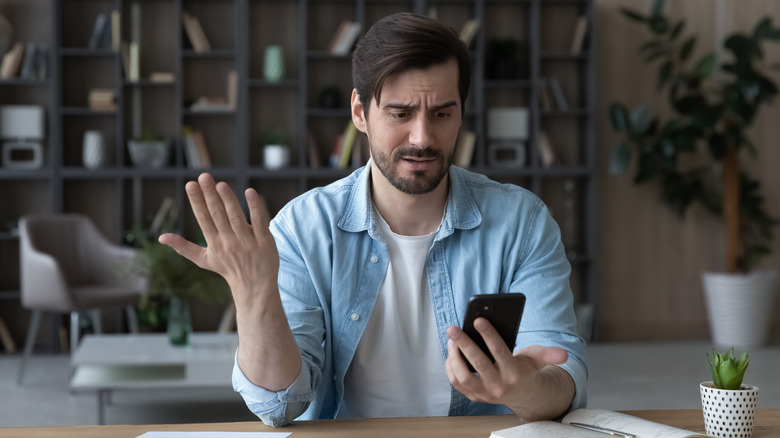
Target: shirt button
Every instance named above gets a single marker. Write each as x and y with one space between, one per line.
374 259
355 316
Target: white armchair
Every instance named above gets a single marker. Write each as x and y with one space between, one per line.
67 266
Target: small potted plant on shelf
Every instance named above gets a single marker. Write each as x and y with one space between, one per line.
728 405
503 59
151 150
173 282
276 151
714 101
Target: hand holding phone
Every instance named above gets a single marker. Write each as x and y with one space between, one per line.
504 311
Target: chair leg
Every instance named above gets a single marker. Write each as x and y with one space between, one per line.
97 321
132 319
29 342
74 331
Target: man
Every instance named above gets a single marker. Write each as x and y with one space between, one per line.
349 301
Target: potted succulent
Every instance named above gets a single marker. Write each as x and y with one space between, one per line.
276 151
728 405
712 104
150 150
173 282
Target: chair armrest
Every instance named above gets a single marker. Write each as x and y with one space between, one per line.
43 283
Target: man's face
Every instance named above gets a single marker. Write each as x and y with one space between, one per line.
412 131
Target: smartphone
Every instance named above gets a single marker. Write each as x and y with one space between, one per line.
504 311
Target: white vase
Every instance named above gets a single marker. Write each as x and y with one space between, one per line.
273 66
740 307
276 156
93 152
728 412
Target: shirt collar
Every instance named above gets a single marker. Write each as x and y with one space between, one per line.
461 213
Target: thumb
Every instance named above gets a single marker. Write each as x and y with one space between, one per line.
184 247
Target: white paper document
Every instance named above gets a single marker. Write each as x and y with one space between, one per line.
215 434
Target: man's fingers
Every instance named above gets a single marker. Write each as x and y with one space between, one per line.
470 349
214 203
201 211
493 340
185 248
233 210
258 211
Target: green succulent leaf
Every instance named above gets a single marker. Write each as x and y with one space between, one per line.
639 119
763 28
664 73
728 371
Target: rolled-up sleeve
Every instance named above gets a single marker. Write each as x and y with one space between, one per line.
278 408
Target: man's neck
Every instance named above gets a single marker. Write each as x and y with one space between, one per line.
409 215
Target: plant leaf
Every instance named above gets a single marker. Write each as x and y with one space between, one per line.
619 158
633 15
706 65
639 119
664 73
618 115
763 28
677 30
687 48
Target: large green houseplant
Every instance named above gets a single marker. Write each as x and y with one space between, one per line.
712 103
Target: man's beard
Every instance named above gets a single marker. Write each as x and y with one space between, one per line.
418 184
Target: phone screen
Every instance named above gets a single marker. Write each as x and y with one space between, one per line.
504 311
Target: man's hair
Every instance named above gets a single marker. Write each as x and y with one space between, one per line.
402 42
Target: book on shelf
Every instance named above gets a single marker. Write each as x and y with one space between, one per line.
12 61
545 100
464 148
469 31
124 52
41 62
560 98
194 30
548 155
314 154
211 103
98 31
162 76
163 212
134 59
202 150
30 61
102 99
595 423
578 37
232 89
344 38
116 32
190 148
341 153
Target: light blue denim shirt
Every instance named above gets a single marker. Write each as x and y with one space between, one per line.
494 238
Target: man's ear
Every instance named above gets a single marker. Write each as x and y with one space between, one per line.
358 115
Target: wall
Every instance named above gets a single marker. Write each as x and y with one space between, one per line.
649 260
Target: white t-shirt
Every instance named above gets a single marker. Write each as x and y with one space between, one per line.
398 368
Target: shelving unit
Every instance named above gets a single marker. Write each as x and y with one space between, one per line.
119 194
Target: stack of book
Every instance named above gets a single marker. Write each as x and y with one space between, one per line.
102 99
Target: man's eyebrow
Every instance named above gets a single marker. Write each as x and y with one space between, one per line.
438 107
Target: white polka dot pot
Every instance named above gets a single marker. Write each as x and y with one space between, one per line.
728 413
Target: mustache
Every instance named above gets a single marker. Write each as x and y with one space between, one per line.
416 153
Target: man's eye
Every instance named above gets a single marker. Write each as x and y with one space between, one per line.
399 115
442 115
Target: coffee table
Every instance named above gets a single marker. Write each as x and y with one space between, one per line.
105 363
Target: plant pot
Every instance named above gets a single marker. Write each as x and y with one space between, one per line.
152 154
739 307
728 413
179 322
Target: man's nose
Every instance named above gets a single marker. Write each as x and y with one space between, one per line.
420 134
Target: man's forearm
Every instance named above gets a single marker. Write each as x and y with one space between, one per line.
267 352
553 393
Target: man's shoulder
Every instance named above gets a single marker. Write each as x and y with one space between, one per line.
485 190
329 199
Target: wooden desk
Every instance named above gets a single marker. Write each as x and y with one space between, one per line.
767 425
